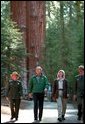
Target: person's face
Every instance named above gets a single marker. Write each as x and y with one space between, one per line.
38 71
14 77
81 71
60 74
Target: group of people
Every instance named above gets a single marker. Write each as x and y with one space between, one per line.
38 86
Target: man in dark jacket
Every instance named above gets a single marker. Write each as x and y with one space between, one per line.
13 94
38 85
79 92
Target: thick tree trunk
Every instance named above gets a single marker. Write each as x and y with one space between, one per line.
30 17
35 33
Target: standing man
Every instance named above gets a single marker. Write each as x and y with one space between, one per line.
79 92
13 94
37 87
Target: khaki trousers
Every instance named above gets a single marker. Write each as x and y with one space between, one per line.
61 104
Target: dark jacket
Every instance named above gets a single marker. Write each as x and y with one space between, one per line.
55 89
79 86
14 89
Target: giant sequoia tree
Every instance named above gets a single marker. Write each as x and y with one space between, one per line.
30 17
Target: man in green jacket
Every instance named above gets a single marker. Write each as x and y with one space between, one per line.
38 85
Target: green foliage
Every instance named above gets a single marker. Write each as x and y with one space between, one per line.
64 50
12 45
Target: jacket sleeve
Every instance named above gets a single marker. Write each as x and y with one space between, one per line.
7 89
67 88
21 89
30 85
46 83
54 89
75 87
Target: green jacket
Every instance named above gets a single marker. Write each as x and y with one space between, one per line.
38 85
14 89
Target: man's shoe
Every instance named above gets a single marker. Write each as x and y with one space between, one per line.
79 118
60 119
63 118
40 119
11 118
16 119
36 121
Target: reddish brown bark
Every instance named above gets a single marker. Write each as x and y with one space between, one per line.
30 17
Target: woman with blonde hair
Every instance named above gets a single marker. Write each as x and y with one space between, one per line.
59 92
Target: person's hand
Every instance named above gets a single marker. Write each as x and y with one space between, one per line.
30 95
54 98
45 90
21 97
68 95
74 97
7 98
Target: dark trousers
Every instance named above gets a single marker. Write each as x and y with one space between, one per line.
81 108
14 106
38 105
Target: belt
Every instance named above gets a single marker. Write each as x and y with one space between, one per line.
60 89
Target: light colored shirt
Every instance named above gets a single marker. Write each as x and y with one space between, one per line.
60 86
38 78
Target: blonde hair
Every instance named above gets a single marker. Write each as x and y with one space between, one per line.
62 72
81 67
39 67
15 73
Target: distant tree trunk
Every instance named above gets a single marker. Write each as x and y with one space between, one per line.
80 25
48 7
62 20
78 11
70 13
62 35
